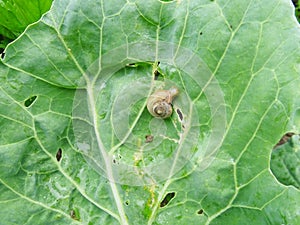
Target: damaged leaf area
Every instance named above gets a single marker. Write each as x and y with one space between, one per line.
79 146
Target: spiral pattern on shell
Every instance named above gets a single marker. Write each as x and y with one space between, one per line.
159 104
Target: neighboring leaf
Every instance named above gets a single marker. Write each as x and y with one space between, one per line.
297 9
285 162
16 15
73 93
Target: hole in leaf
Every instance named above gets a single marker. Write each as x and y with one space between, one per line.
29 101
127 202
179 113
102 116
156 74
115 159
200 212
58 155
284 139
167 199
201 33
131 65
74 214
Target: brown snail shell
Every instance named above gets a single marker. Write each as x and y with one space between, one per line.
159 104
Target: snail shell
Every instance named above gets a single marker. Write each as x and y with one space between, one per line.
159 104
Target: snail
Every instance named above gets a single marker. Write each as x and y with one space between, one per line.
159 104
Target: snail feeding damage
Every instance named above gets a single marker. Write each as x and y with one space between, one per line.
179 113
58 155
159 104
109 115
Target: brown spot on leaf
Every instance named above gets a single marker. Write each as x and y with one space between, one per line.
149 138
